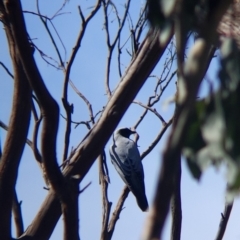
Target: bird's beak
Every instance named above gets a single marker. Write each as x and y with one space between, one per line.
136 137
132 130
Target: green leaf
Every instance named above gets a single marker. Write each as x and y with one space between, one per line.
214 125
194 168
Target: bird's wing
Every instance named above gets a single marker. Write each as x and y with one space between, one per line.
126 159
134 158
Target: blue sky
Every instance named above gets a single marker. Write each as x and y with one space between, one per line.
202 202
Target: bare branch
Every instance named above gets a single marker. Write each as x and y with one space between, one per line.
159 89
69 110
67 106
6 69
78 44
117 211
121 23
224 220
157 139
5 127
89 105
16 136
176 203
111 46
153 110
89 121
86 123
49 60
141 23
50 35
36 152
70 211
82 190
106 205
17 213
48 105
139 28
58 12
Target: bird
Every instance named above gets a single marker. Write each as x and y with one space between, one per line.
126 159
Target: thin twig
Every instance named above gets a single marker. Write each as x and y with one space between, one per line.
78 43
111 46
224 220
117 211
44 21
153 110
83 189
155 98
36 152
87 123
176 203
141 23
157 139
89 105
106 205
58 12
6 69
17 213
45 57
68 107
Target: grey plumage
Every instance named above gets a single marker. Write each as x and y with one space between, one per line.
126 160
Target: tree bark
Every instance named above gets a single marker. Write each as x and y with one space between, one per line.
15 140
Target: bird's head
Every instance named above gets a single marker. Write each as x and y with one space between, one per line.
125 132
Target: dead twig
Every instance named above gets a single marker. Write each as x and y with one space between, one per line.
224 220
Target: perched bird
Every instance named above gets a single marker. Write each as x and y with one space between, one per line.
126 159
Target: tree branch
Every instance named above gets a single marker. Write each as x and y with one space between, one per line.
112 45
153 110
176 205
16 135
89 105
152 100
6 128
117 211
68 107
106 205
49 107
70 211
224 220
17 213
6 69
44 21
37 120
157 139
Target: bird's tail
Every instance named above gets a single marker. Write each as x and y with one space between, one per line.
142 202
138 190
